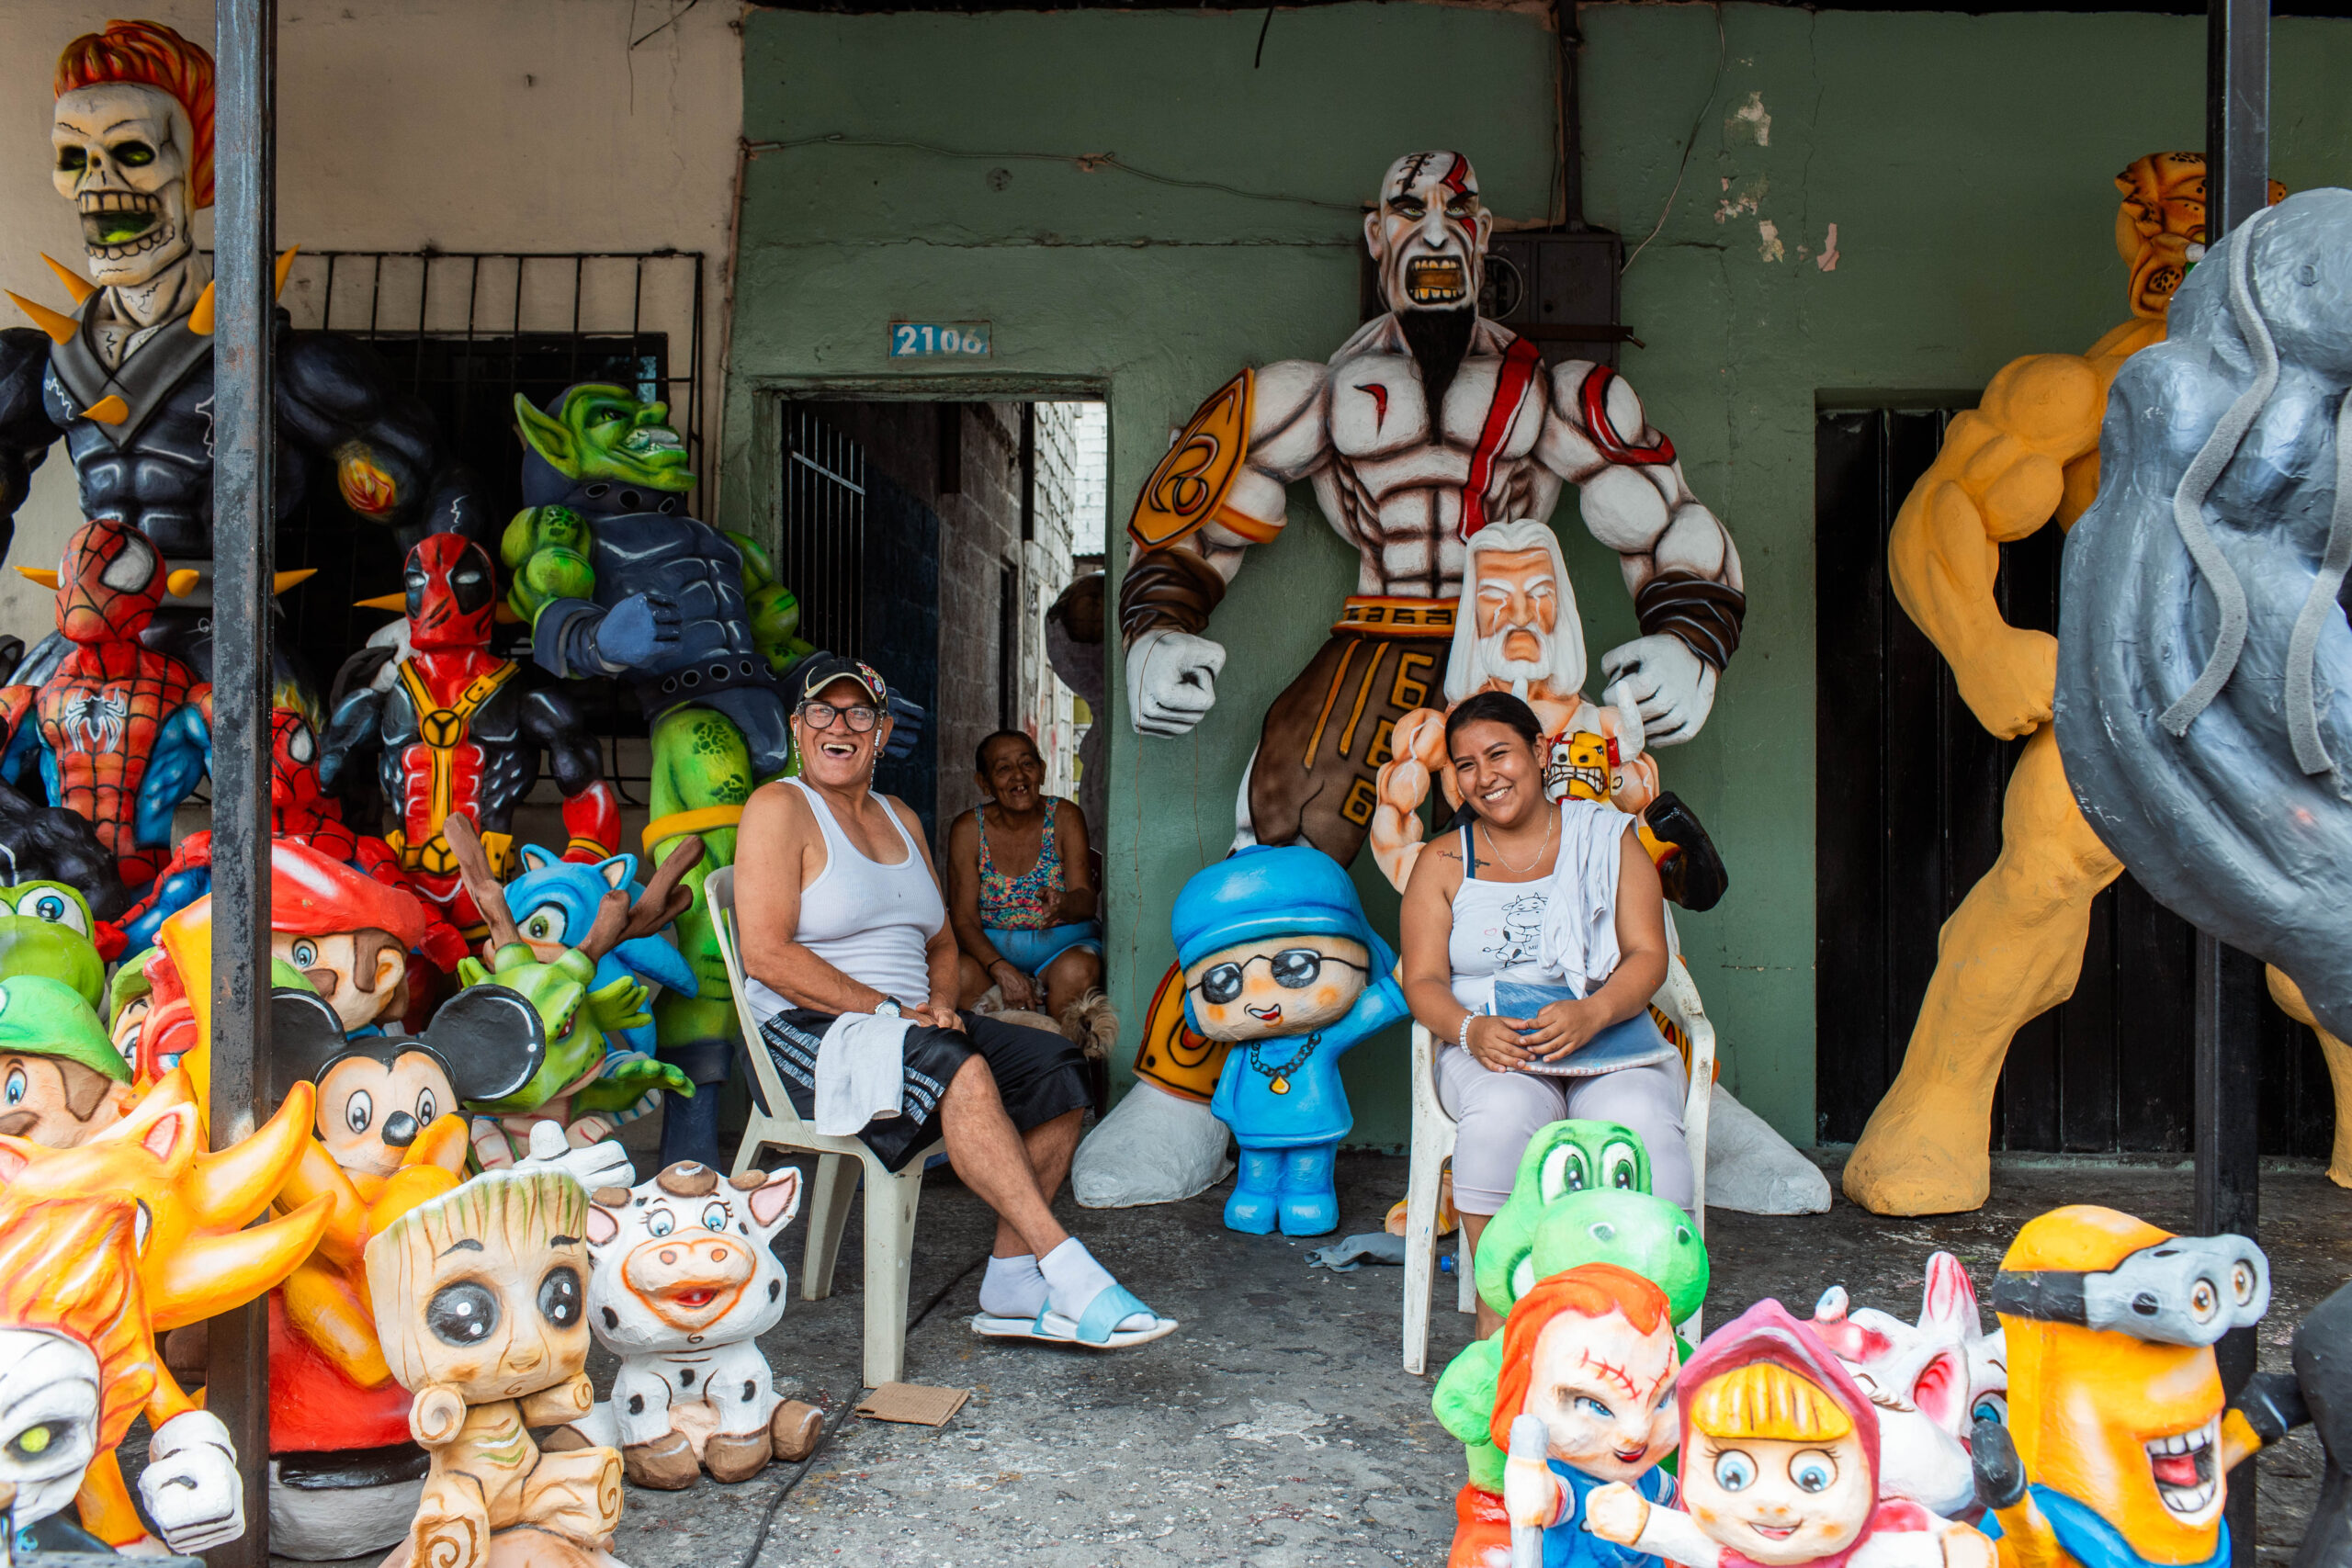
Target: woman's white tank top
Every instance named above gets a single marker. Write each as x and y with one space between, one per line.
1497 931
871 921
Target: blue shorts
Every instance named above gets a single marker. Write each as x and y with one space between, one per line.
1030 951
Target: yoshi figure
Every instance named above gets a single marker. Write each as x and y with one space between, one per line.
1561 1159
615 579
578 1081
46 928
1581 1195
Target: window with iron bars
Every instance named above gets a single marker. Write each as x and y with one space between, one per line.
466 330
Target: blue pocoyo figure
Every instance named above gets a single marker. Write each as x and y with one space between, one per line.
1279 959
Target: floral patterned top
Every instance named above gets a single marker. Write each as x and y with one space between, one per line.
1027 902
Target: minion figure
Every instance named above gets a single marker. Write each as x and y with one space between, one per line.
2119 1448
1278 959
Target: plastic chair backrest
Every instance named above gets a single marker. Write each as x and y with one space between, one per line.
718 893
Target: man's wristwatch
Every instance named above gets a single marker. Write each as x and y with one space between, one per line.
888 1007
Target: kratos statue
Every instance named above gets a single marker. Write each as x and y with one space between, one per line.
1429 425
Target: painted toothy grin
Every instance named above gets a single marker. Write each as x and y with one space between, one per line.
1435 280
118 224
2186 1471
1774 1532
1564 774
1266 1015
701 1296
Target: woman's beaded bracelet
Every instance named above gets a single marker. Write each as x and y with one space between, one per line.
1461 1036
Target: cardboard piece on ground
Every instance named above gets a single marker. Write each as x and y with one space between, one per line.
913 1403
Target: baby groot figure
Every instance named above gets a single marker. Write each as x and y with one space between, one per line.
480 1299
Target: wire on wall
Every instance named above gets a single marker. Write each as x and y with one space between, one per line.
1085 162
1684 168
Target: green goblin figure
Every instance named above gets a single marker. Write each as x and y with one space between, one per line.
1581 1195
615 579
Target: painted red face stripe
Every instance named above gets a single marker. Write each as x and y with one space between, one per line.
1457 178
1521 361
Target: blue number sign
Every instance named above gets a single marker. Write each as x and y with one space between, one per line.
939 340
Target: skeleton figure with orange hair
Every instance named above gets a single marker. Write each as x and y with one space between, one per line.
102 1247
124 374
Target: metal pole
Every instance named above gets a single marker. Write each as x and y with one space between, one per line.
2237 182
244 510
2237 113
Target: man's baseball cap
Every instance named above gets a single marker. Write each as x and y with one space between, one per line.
822 668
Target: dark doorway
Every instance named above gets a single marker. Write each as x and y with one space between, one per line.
929 539
1908 818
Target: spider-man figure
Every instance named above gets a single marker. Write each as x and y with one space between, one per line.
121 732
455 731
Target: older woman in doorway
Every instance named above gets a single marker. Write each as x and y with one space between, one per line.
1534 935
1021 892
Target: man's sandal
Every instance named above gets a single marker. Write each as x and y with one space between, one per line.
1096 1329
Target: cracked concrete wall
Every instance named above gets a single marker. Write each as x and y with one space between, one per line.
1882 204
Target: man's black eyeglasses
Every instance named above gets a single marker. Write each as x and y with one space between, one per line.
820 715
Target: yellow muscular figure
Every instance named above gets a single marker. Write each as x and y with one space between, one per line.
2014 948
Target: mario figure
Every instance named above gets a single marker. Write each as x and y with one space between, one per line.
60 1078
348 934
1278 958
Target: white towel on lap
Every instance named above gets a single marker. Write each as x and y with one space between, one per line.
860 1072
1579 937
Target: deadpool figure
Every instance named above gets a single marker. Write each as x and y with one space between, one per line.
457 731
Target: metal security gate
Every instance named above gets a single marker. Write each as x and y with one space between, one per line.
1908 816
822 552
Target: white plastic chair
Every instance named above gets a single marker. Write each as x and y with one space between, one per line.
890 1198
1433 1135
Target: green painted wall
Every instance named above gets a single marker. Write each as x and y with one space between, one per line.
1964 161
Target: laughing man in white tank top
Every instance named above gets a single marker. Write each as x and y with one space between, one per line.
841 915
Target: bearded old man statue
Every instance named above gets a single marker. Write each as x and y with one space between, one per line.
1426 426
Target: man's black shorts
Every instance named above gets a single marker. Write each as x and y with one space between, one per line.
1039 1074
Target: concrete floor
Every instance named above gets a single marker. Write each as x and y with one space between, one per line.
1276 1428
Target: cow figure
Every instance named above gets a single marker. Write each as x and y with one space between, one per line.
685 1280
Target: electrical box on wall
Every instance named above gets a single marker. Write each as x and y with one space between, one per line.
1557 286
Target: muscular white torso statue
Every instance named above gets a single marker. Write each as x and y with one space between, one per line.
1406 490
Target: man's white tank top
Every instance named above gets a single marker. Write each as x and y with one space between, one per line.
871 921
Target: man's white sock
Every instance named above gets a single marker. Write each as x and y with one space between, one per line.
1014 1287
1073 1279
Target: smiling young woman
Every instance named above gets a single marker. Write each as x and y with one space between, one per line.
1508 898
